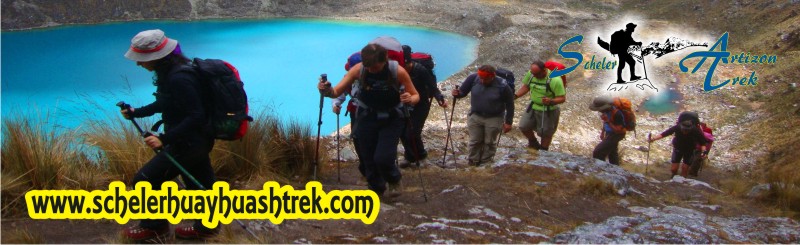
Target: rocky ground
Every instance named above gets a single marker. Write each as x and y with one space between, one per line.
562 196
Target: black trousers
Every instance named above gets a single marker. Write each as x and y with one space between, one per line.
377 142
609 148
625 58
194 157
412 137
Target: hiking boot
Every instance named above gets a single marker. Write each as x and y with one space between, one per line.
619 80
473 163
394 190
190 233
634 78
534 144
405 164
139 234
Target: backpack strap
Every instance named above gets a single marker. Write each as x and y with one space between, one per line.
614 113
611 121
546 83
392 70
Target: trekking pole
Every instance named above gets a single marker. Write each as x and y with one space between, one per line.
647 164
645 69
410 131
338 153
448 136
452 115
324 78
122 105
449 123
499 136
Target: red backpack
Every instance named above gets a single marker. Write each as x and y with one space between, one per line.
424 59
708 133
552 65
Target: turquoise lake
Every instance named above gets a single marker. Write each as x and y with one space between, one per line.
77 72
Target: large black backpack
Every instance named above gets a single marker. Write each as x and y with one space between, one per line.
228 108
507 75
424 59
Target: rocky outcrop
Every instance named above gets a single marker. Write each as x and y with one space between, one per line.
25 14
678 225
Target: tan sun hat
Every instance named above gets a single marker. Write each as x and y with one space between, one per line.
601 103
150 45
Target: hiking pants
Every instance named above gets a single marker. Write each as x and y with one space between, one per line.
192 157
682 154
609 148
412 138
377 142
483 133
532 120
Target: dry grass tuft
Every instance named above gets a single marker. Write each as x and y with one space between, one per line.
36 155
784 181
21 236
596 187
120 149
271 150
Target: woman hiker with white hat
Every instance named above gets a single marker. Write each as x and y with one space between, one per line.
186 135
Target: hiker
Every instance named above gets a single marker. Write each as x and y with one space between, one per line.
425 83
380 120
186 137
613 129
620 41
687 136
542 114
354 59
491 110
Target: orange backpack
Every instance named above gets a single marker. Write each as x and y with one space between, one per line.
629 119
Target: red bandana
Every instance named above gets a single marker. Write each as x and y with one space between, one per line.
485 74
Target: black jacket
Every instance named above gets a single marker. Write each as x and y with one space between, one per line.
425 82
180 100
686 141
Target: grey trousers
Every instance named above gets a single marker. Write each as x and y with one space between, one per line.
483 133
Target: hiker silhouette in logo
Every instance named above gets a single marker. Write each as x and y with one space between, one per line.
187 135
620 41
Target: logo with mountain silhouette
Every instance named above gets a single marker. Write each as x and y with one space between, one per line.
629 52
